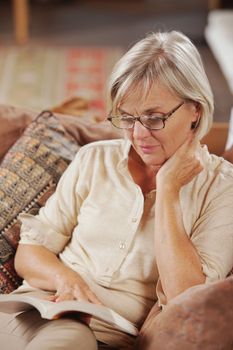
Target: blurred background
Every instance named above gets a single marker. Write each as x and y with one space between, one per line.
53 50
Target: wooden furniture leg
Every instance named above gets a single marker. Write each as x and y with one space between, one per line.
21 20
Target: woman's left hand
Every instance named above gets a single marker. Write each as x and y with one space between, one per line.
182 167
178 262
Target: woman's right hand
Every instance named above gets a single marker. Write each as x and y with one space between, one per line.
71 286
42 269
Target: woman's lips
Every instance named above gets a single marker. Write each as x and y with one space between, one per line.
148 149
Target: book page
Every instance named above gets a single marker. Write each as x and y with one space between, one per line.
13 303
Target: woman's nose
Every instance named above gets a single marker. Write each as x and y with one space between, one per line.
140 131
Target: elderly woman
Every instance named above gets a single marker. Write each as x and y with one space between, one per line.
133 221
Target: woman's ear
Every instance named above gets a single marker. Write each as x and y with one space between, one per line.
194 125
197 112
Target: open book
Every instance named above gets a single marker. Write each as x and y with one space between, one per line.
18 302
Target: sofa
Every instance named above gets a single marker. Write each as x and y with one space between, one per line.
35 149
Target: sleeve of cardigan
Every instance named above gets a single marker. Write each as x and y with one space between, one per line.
54 224
212 234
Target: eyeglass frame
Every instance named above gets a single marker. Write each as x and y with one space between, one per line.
163 119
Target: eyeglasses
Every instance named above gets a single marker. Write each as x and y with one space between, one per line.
155 121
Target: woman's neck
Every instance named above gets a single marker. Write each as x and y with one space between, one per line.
143 175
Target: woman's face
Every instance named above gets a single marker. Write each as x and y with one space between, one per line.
154 147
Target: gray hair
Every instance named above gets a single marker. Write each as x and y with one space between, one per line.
172 59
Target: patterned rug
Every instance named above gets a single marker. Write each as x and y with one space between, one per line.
42 77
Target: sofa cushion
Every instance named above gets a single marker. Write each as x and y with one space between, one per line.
13 121
28 176
81 124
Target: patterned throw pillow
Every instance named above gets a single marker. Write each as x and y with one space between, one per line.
28 176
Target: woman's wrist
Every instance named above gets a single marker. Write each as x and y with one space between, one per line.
64 273
168 190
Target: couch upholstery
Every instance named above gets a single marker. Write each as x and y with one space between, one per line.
199 318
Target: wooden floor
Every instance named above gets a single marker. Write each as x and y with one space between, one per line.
118 23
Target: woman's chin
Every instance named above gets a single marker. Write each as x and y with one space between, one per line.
156 163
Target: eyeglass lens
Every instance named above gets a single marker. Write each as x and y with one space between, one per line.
128 122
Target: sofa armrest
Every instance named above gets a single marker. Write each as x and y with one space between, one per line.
199 318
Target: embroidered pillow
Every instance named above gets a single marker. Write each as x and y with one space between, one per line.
29 173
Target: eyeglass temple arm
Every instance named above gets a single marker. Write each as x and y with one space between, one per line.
173 111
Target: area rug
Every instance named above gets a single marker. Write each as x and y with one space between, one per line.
42 77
